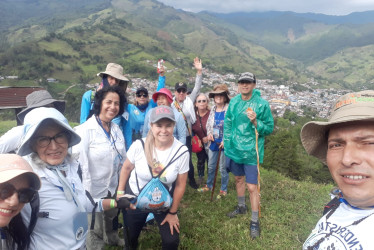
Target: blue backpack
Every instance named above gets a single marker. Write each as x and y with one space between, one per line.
155 196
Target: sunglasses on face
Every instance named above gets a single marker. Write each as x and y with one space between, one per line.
140 95
44 141
25 195
182 91
199 101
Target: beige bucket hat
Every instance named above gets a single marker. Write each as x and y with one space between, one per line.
358 106
115 70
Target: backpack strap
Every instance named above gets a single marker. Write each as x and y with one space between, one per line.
180 110
150 169
332 205
35 205
173 159
93 209
94 204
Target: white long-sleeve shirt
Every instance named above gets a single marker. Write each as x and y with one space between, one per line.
11 140
101 158
63 225
188 104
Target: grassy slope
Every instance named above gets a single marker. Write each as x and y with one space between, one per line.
289 211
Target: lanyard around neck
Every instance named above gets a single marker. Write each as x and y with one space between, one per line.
101 125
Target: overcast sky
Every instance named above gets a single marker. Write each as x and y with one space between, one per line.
329 7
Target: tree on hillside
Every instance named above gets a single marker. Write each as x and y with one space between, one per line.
281 154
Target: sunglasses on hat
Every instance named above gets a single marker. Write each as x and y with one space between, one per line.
140 95
25 195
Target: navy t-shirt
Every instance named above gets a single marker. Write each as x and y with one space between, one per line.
219 118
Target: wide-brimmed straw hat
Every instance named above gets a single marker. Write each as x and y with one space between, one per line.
12 165
40 98
220 89
358 106
35 118
115 70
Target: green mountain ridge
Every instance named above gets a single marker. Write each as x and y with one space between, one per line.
136 33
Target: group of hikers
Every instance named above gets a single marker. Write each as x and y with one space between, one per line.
65 187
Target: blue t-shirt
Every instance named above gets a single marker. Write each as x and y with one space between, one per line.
219 118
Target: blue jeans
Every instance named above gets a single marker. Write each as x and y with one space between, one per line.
213 157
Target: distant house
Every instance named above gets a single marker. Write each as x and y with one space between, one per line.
15 98
51 80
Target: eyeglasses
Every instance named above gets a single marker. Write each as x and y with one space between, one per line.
182 91
25 195
198 101
60 138
140 95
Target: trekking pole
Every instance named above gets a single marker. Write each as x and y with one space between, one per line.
258 175
215 174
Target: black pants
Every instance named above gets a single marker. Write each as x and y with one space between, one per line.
202 157
135 220
191 174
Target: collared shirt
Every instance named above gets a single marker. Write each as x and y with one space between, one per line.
63 226
101 158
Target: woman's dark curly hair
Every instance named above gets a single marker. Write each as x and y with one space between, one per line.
101 94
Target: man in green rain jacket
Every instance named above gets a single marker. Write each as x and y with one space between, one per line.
247 112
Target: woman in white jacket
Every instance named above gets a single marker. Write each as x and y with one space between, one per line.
101 155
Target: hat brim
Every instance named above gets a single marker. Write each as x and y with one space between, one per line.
117 76
158 119
155 95
313 135
212 94
58 104
33 178
247 80
26 149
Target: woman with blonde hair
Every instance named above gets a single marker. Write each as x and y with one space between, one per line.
159 165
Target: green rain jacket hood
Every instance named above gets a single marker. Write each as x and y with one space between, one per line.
239 132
